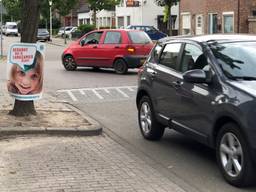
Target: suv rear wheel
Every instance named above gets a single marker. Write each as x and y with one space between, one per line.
150 128
120 66
69 63
233 156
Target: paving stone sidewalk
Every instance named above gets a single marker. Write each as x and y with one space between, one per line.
75 164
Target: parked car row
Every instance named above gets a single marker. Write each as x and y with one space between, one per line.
67 30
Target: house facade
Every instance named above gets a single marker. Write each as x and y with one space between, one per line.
217 16
129 12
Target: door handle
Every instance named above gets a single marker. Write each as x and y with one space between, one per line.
176 84
95 46
152 72
117 46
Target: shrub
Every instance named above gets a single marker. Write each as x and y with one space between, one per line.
85 28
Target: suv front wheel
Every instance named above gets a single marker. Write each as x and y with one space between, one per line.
233 156
150 128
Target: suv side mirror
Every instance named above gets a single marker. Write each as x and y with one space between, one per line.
195 76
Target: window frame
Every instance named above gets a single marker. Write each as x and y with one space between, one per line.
233 22
120 41
178 57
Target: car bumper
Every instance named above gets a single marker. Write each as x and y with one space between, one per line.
135 61
43 38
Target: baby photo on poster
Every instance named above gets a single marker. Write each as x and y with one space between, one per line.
25 71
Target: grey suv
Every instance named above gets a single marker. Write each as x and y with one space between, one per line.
204 87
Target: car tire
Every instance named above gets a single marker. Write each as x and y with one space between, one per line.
150 128
69 63
120 66
233 156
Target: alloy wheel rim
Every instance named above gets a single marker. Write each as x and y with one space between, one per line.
120 66
231 154
145 118
69 62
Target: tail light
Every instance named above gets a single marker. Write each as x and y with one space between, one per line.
130 49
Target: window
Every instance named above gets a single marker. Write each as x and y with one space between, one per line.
112 38
191 58
120 22
186 24
254 13
128 20
155 53
169 56
212 23
93 38
228 22
139 37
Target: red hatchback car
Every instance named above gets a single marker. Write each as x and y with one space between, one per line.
108 48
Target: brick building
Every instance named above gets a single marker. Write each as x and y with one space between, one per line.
217 16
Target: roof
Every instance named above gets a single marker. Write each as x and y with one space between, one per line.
215 37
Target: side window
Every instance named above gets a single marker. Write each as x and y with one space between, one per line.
155 53
192 58
93 38
113 38
169 56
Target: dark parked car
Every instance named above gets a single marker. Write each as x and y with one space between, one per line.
43 34
152 32
204 87
108 48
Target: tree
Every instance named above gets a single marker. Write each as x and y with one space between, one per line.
29 23
14 9
168 16
64 6
98 5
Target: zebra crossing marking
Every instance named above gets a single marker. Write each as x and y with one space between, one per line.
95 91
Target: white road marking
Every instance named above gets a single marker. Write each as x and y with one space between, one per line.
130 89
82 92
97 94
71 95
106 90
120 91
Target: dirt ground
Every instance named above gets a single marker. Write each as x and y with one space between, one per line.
44 118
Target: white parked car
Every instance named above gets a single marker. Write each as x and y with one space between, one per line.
68 30
10 28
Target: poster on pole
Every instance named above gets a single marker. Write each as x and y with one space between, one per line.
25 62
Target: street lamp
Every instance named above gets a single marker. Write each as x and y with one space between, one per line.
50 3
1 28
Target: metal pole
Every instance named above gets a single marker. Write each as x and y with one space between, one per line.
50 22
1 28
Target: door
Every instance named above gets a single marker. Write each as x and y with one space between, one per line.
199 25
87 52
165 81
111 47
195 99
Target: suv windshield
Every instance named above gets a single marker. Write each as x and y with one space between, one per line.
237 59
139 37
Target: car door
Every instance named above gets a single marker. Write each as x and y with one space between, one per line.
111 48
195 99
87 53
164 81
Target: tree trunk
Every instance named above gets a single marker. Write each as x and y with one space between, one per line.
169 25
29 25
94 17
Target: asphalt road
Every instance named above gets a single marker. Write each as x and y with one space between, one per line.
189 163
